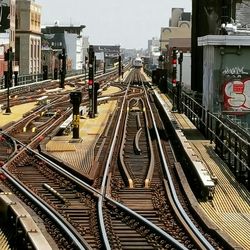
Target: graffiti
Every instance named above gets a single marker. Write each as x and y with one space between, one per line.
234 71
237 95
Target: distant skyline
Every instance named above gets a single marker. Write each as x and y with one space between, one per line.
114 22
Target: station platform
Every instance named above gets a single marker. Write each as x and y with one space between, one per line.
16 114
229 209
79 155
34 228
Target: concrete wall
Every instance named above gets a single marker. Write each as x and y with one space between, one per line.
74 50
226 74
186 71
173 32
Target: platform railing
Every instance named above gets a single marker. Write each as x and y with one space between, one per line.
22 80
231 144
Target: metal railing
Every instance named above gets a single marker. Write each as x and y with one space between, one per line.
231 144
22 80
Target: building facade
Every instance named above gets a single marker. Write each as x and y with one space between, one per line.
7 30
153 52
28 36
180 27
55 38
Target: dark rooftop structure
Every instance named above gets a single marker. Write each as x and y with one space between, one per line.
186 16
60 29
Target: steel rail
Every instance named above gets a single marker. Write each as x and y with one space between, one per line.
105 177
173 192
66 227
106 196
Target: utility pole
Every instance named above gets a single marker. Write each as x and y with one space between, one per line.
8 56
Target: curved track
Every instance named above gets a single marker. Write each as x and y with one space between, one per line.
140 184
136 202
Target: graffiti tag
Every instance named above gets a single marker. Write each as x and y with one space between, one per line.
234 71
237 95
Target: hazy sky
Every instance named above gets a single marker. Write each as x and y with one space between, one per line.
129 23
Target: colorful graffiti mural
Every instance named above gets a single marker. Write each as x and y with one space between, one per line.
236 94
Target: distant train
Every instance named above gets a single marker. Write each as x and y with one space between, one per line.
137 63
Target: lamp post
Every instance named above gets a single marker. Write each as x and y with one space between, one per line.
8 56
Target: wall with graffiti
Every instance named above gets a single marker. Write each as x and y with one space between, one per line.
236 89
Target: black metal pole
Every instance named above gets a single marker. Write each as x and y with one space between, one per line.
174 70
120 68
16 78
91 85
96 87
76 99
8 111
179 85
8 57
62 57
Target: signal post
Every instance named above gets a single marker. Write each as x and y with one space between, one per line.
62 59
179 84
174 81
76 99
8 56
120 68
91 85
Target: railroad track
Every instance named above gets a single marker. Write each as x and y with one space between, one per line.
73 204
145 185
73 207
131 205
135 77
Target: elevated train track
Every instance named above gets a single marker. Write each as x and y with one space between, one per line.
136 200
145 201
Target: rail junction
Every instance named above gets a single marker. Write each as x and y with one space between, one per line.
139 177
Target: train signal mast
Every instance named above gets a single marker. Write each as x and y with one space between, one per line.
91 85
179 84
120 67
62 58
174 81
8 56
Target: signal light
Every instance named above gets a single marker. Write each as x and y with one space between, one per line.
90 82
174 61
174 64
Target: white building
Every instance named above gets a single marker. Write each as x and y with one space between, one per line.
68 37
153 52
